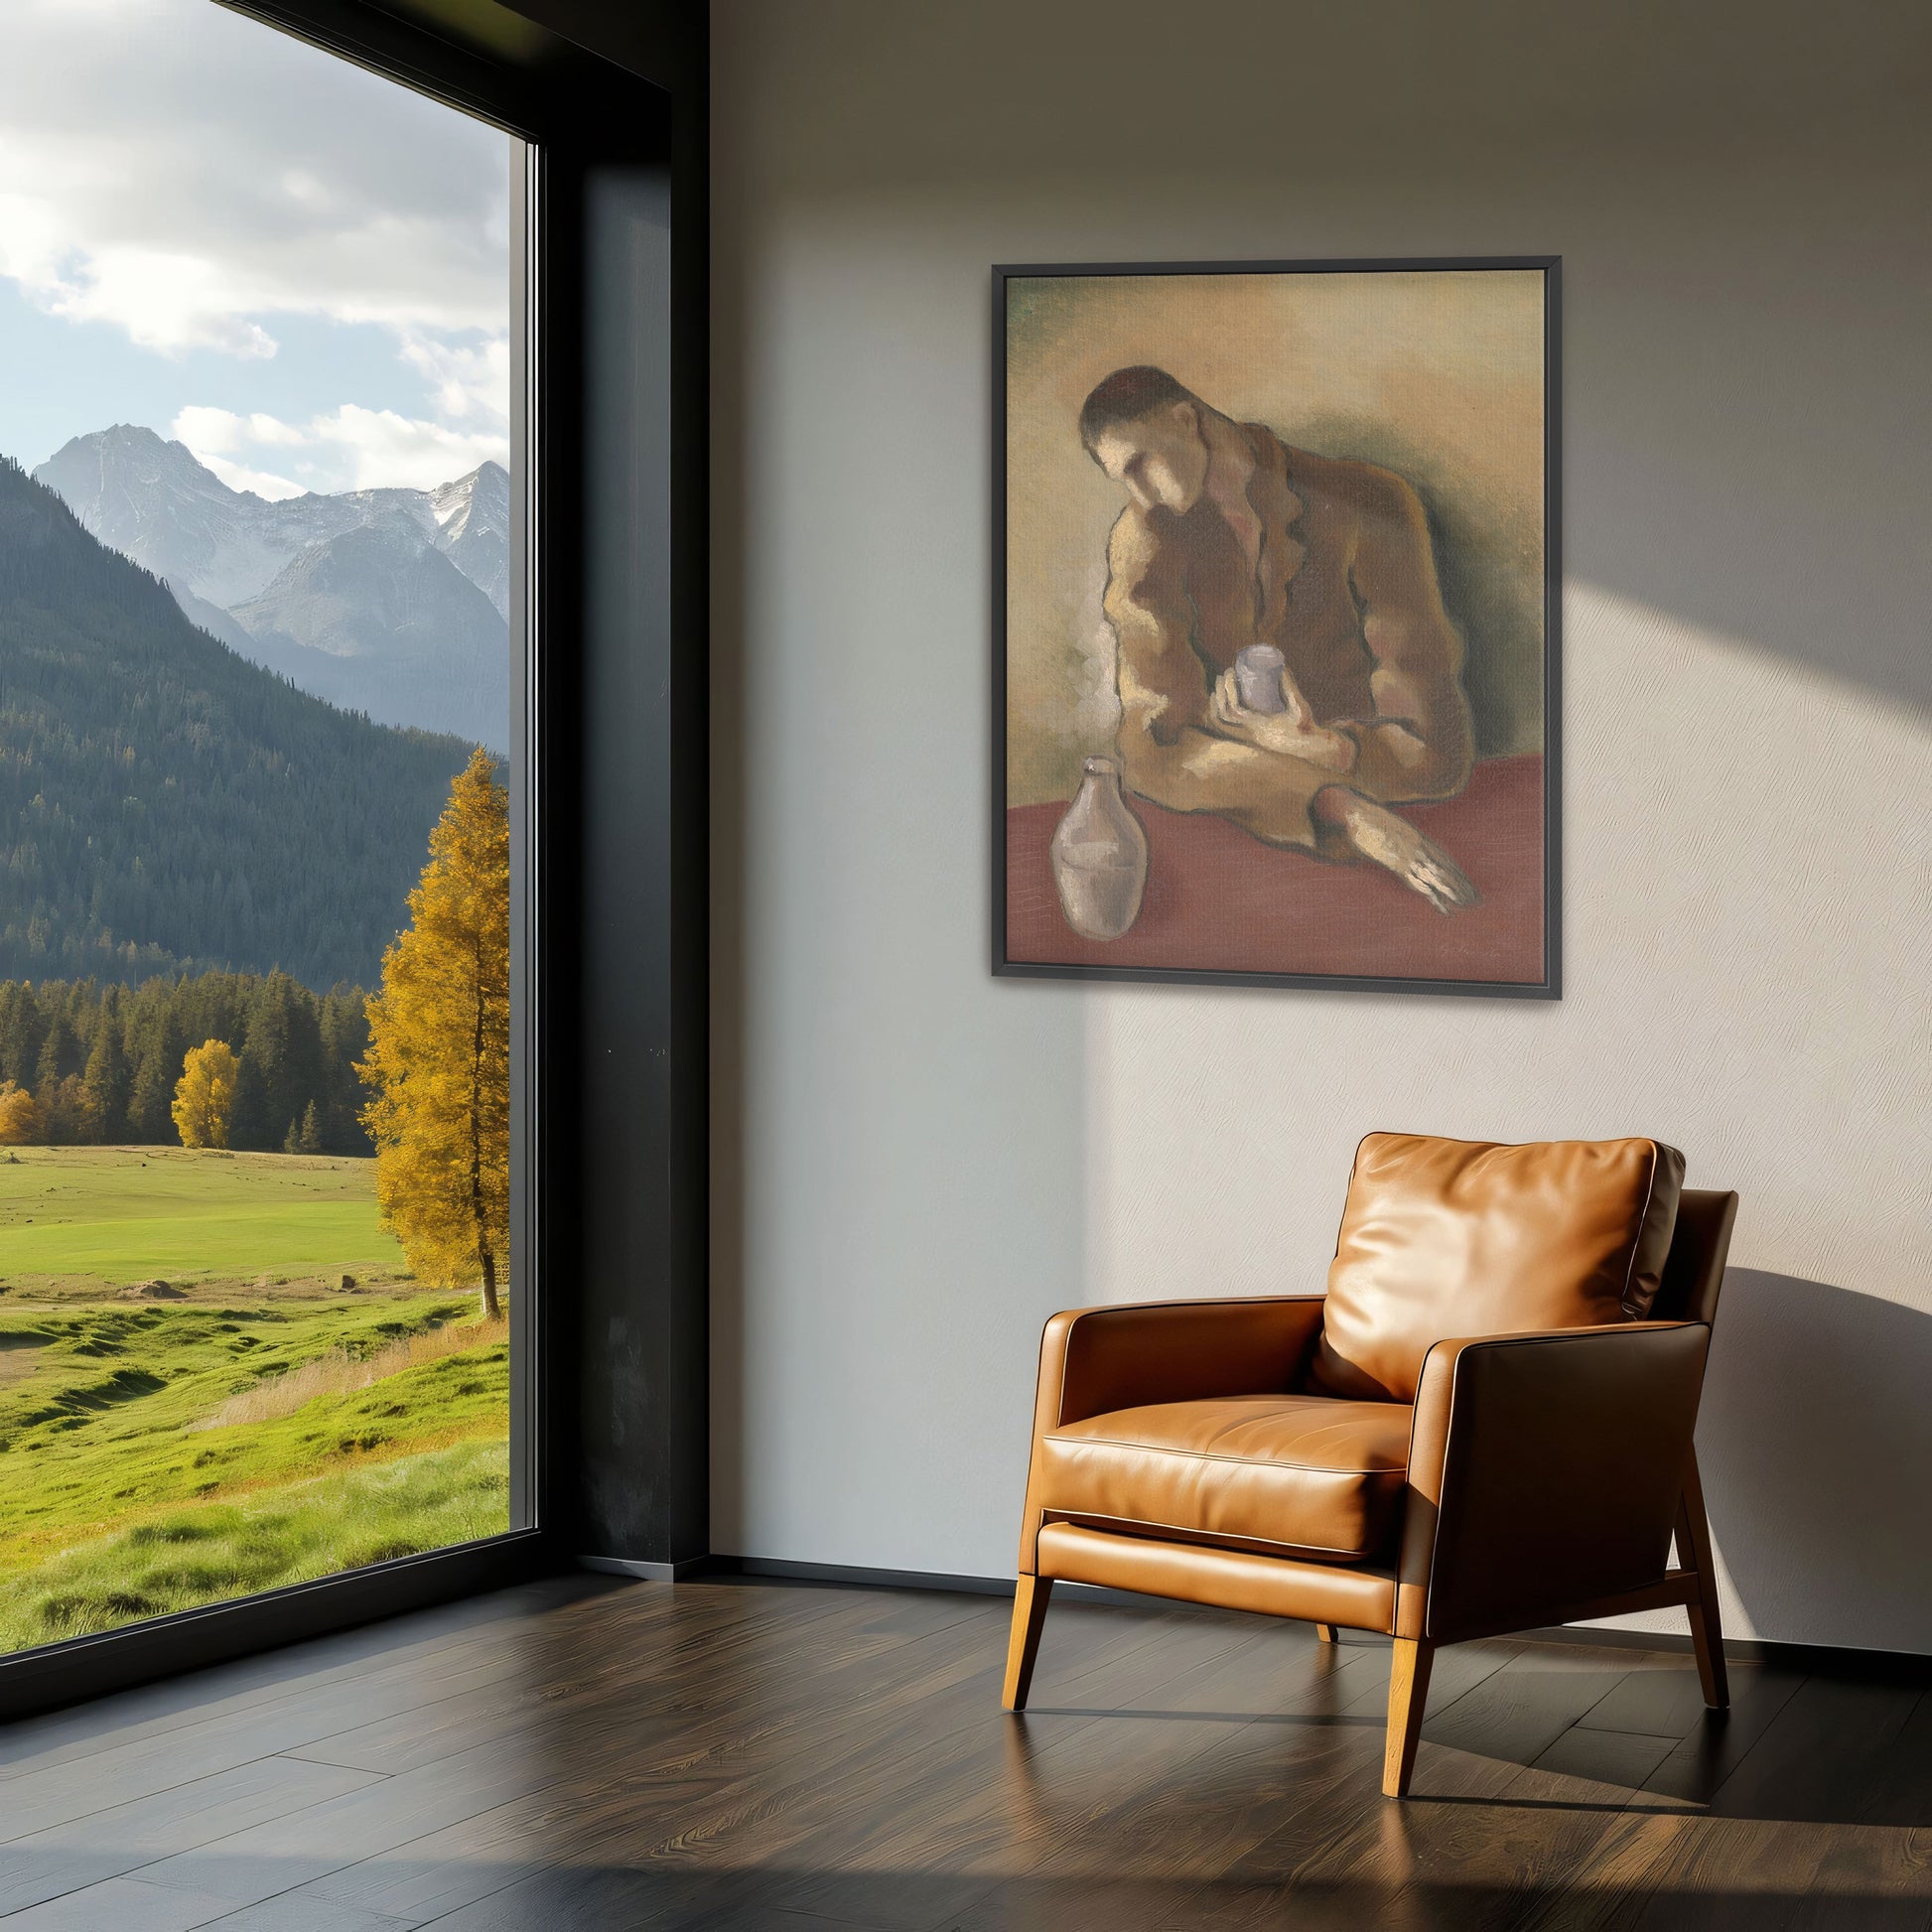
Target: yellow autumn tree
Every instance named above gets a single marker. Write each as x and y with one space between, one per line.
204 1094
439 1058
20 1116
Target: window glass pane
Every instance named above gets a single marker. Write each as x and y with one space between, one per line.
257 748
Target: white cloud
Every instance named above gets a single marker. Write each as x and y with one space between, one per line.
203 428
391 449
209 432
467 379
196 180
164 302
262 483
224 174
347 447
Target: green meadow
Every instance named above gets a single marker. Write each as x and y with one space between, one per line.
290 1404
103 1216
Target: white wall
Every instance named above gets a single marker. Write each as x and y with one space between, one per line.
916 1162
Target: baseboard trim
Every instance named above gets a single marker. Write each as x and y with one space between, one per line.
651 1573
1815 1659
782 1570
1824 1659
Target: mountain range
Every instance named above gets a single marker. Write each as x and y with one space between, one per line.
390 602
167 807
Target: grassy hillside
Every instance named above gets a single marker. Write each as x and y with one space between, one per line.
264 1541
268 1426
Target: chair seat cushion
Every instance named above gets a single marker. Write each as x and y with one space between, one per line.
1296 1474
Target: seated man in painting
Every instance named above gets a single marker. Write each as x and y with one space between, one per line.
1233 539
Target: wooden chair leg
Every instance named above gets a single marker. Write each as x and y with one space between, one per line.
1408 1694
1324 1633
1022 1644
1694 1551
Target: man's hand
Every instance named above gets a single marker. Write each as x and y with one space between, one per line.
1388 839
1292 731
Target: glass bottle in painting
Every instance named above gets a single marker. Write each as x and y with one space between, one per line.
1099 854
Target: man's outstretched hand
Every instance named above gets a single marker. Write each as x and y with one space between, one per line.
1291 731
1387 839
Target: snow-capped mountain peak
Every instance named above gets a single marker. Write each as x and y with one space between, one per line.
156 502
472 514
484 493
310 583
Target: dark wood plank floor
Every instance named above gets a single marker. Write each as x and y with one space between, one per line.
730 1755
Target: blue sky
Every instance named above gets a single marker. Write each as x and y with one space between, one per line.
299 269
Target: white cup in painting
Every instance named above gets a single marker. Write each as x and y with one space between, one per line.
1258 678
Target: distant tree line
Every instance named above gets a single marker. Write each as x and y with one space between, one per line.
84 1064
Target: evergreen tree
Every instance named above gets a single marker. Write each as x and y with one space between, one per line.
22 1029
309 1140
106 1085
248 1120
150 1115
281 1055
438 1064
60 1050
63 1111
344 1025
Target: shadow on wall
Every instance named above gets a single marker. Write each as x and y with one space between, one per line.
1816 1439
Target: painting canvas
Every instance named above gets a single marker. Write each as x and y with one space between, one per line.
1275 624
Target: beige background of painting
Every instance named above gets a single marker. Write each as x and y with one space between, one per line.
1439 376
914 1162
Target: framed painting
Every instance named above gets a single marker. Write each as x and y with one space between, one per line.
1276 601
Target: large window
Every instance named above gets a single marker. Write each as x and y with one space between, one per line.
261 636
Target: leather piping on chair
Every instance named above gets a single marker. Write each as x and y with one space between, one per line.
1206 1538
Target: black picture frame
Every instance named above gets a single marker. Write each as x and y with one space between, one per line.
1550 986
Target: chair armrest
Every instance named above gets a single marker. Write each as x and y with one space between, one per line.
1093 1361
1544 1471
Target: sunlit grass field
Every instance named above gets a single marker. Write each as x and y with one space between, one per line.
113 1215
270 1425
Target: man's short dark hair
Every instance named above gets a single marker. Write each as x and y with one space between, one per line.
1125 397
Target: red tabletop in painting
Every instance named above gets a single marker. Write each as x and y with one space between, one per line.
1219 900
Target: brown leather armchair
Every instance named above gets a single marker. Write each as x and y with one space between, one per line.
1484 1424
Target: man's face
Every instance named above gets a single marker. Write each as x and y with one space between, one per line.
1159 459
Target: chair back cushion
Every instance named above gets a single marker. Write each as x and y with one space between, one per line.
1454 1238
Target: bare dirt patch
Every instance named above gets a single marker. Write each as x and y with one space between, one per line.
18 1355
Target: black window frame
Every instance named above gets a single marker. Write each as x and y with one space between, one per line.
609 1442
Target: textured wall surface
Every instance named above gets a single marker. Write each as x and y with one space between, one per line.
917 1164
